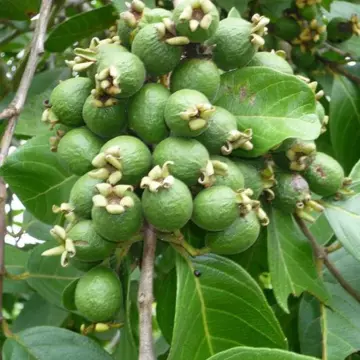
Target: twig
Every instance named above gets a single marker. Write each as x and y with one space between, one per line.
145 296
12 113
321 254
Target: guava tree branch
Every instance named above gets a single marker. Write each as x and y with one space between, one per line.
12 112
321 254
145 295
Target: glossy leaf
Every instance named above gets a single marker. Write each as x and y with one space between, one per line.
38 178
275 105
344 124
46 276
39 312
291 261
19 9
79 27
221 309
246 353
47 342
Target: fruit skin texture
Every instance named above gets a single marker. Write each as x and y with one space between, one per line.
196 74
290 189
77 149
146 113
168 209
158 56
81 195
90 246
135 158
179 102
339 29
236 238
98 295
189 157
68 98
233 46
325 175
119 227
234 178
218 130
105 122
271 60
215 208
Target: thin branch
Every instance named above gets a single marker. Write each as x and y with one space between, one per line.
321 254
12 113
145 296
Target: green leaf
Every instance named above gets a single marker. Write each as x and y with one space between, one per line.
234 13
345 119
343 9
221 309
119 5
275 105
322 230
291 261
68 296
29 123
79 27
326 4
239 5
355 173
150 3
36 228
46 276
274 9
344 218
47 342
246 353
39 312
38 178
19 9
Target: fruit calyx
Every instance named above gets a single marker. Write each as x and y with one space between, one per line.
198 115
66 249
344 190
158 178
166 31
54 140
306 206
310 35
238 140
212 168
198 14
113 198
134 14
355 25
101 99
259 29
67 210
48 117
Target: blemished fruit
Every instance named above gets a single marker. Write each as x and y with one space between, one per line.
236 238
196 74
215 208
67 101
273 60
339 29
324 175
146 113
188 158
98 295
197 20
103 120
77 149
89 245
187 113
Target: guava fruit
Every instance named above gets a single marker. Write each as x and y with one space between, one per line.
236 238
198 20
67 101
287 28
323 118
166 201
303 59
123 159
222 135
188 158
237 40
82 265
146 113
77 148
158 47
308 12
273 60
339 29
187 113
196 74
117 213
106 116
98 295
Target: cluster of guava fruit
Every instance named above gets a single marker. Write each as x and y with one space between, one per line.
141 128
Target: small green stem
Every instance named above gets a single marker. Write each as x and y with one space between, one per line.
333 247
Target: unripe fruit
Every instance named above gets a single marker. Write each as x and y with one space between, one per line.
222 135
215 208
302 59
82 265
77 149
188 158
196 74
103 120
271 60
308 12
236 238
187 113
98 295
339 29
287 28
146 113
197 20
